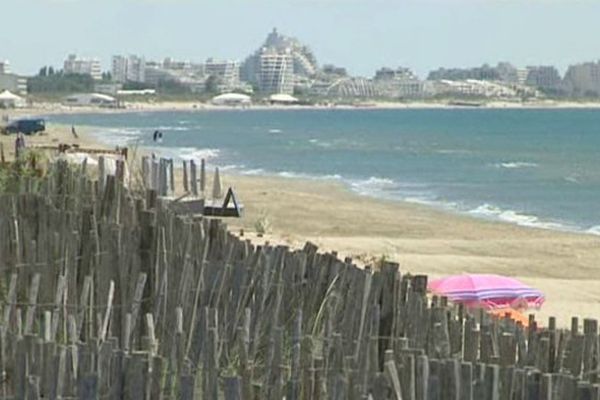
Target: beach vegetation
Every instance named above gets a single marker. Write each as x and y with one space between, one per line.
262 224
27 168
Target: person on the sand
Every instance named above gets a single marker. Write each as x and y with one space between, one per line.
19 144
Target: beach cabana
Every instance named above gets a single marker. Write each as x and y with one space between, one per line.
487 291
11 100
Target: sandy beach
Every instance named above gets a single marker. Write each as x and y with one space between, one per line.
45 108
422 239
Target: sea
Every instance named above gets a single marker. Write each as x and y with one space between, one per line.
531 167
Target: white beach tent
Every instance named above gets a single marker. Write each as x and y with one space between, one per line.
10 100
231 99
282 98
90 99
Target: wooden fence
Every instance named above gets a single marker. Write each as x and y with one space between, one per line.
109 294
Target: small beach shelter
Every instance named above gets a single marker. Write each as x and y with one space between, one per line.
487 291
11 100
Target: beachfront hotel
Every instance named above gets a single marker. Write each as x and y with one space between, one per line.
278 64
83 66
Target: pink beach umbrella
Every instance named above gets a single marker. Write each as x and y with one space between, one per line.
487 291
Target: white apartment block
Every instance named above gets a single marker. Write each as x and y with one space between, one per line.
276 73
128 69
83 66
13 83
227 71
4 67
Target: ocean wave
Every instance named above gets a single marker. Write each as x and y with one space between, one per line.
196 153
173 128
453 151
516 165
376 183
232 167
253 172
491 211
117 136
320 143
298 175
594 230
275 131
572 179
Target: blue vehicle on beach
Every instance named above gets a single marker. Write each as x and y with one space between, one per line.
26 126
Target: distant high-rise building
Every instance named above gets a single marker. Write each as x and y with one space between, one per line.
398 83
544 77
276 73
11 82
277 58
507 72
83 66
4 67
583 80
483 73
129 69
226 71
329 69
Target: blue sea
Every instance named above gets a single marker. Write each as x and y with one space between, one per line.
538 168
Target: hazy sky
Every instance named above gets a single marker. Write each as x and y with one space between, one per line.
361 35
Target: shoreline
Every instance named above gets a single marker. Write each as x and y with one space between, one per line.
46 109
423 239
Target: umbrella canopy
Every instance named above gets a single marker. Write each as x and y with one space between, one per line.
487 291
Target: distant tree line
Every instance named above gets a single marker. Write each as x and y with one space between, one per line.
49 80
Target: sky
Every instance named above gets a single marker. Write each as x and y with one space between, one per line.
361 35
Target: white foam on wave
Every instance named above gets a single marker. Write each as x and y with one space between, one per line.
232 167
196 153
375 182
173 128
594 230
516 165
491 211
275 131
320 143
253 172
572 179
453 151
298 175
117 136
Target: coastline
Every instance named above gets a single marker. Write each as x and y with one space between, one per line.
41 109
421 238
